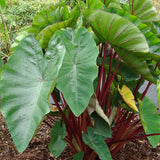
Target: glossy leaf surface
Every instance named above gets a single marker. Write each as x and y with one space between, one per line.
150 120
143 9
78 71
115 29
57 144
97 143
25 85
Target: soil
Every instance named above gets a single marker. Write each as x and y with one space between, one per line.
38 147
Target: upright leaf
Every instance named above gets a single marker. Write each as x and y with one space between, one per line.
57 144
150 120
115 29
143 9
97 143
26 82
75 79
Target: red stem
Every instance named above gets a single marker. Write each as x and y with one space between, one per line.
146 90
138 85
109 84
101 72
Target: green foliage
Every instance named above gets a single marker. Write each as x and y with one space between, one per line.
62 52
150 120
28 93
57 144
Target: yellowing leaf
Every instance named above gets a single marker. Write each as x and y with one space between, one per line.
53 108
128 97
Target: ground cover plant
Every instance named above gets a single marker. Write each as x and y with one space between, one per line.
91 57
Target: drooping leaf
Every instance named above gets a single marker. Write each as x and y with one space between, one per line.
126 72
150 120
78 156
97 143
128 97
26 82
57 144
94 106
143 9
2 3
78 71
158 93
152 40
101 127
115 29
138 64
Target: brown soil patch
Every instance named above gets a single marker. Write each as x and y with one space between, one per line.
38 147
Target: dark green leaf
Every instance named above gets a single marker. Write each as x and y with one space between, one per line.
101 127
78 156
138 64
152 40
97 143
75 79
126 72
150 120
115 29
26 82
57 144
143 9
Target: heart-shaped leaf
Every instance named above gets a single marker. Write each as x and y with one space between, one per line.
115 29
26 82
150 120
97 143
78 71
143 9
57 144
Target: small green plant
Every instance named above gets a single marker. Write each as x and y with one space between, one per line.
91 57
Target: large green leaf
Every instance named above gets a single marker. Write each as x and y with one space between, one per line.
97 143
152 40
75 79
45 18
115 29
143 9
26 82
150 120
138 64
45 35
57 144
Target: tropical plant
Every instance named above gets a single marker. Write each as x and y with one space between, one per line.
92 59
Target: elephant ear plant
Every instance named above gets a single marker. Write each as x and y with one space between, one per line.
91 58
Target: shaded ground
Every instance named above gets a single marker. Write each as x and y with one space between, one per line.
38 148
